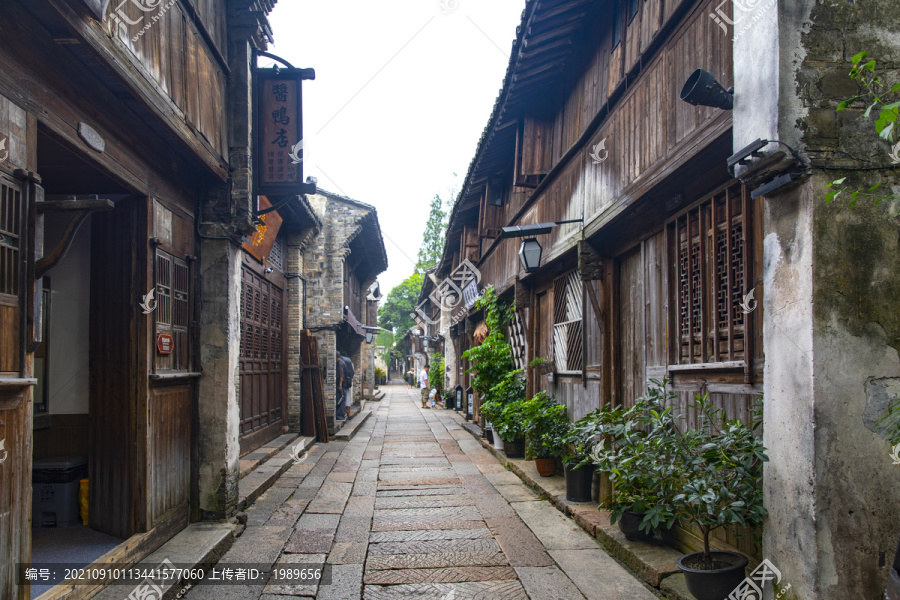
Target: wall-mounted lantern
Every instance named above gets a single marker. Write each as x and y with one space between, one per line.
530 255
530 251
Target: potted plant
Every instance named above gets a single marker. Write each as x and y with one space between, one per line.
509 389
720 466
545 432
512 429
577 463
631 445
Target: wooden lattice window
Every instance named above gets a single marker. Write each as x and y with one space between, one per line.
711 272
173 313
10 238
516 331
568 353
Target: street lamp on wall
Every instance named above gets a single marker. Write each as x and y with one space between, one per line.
530 251
530 255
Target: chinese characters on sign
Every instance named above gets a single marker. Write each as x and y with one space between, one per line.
278 148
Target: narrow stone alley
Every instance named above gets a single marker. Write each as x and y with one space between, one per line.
414 507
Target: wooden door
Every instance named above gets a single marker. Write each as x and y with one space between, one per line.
262 368
630 328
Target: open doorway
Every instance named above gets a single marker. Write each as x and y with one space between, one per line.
67 412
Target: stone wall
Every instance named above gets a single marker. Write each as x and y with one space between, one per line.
325 261
830 289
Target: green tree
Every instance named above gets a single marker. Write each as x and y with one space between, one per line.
433 240
394 314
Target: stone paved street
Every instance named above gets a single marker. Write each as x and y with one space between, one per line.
414 507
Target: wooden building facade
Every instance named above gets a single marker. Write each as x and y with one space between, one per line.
118 135
651 283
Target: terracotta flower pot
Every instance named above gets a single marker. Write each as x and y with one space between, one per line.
546 466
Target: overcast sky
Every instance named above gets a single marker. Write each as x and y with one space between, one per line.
402 93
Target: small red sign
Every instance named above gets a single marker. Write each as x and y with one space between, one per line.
165 343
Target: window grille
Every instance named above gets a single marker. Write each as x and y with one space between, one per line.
276 255
516 334
710 275
568 354
10 238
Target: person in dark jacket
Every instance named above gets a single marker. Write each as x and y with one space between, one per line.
348 379
339 410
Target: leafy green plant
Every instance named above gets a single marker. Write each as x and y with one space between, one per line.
634 446
512 422
546 427
720 467
877 95
436 373
491 360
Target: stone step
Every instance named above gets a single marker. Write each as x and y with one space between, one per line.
264 476
196 547
351 426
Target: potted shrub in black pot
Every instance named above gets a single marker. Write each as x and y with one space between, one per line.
636 449
721 471
579 467
545 433
512 429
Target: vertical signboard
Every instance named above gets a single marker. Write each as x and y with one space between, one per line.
278 134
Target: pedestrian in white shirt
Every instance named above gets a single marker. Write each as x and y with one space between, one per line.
423 385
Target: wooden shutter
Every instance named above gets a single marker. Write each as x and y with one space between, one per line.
568 353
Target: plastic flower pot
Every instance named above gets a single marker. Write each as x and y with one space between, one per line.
629 525
514 449
578 483
716 583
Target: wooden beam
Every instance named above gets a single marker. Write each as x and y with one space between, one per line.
70 205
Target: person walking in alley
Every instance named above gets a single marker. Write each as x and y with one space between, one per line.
348 380
423 385
339 397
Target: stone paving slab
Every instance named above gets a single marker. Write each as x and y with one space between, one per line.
553 529
310 541
346 584
425 534
433 546
424 561
516 493
547 583
424 491
482 590
445 575
518 542
456 513
424 501
586 567
417 525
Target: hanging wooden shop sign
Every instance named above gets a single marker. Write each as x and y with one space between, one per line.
260 243
165 343
278 132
